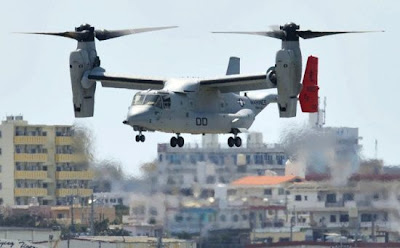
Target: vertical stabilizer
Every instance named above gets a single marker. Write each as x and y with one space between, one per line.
309 93
233 66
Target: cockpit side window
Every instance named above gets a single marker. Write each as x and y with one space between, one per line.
159 101
138 99
167 101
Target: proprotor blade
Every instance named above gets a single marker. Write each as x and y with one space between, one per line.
278 34
110 34
69 34
308 34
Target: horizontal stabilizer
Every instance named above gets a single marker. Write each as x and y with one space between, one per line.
309 93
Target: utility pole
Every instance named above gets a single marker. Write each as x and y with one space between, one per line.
92 215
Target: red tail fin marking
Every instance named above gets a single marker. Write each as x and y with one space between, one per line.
309 93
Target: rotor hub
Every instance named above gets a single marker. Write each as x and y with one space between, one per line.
84 27
290 30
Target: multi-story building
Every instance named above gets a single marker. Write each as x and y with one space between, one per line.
365 207
41 164
195 170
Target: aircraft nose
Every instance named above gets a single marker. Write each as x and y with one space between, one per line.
138 115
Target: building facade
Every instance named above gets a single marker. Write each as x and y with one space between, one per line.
41 164
194 170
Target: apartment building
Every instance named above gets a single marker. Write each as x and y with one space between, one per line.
41 164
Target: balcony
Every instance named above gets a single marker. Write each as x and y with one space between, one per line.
30 192
67 192
74 175
28 157
68 158
35 175
30 140
64 140
334 204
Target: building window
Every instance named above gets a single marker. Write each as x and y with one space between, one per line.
222 218
297 198
235 218
248 159
280 159
344 218
366 217
0 134
331 198
281 191
333 218
258 159
348 197
0 151
1 201
267 191
305 198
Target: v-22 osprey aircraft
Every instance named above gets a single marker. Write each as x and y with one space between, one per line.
198 106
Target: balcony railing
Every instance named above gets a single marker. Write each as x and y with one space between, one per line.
30 140
74 175
65 158
29 157
79 192
30 192
35 175
64 140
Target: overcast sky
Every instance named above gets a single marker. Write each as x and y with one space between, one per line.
358 73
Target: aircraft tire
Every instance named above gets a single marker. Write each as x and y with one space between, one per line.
231 142
137 138
142 138
238 142
181 141
173 142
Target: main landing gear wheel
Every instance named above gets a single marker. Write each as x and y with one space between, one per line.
140 138
231 142
234 141
177 141
238 142
173 142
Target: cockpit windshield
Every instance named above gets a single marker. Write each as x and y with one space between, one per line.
157 100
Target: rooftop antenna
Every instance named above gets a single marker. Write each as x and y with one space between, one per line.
376 149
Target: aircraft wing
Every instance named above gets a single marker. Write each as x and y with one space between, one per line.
125 82
235 83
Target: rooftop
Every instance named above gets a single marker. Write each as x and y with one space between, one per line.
265 180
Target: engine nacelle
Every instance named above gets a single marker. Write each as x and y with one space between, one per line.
288 76
83 98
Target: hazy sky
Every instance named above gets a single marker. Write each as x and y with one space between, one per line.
358 73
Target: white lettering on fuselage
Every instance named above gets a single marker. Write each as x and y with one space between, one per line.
258 102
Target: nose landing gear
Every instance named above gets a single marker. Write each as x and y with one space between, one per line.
178 140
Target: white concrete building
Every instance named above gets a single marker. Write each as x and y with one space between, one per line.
194 170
